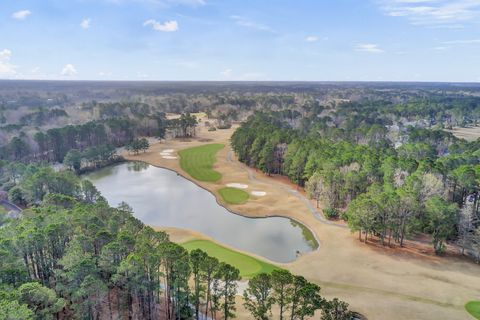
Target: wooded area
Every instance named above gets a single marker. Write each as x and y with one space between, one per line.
428 184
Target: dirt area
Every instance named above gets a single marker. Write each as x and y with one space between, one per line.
469 134
379 283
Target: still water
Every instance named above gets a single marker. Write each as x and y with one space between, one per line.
160 197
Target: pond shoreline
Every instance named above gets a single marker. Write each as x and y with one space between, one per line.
317 241
191 207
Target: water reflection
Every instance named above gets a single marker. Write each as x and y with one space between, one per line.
161 197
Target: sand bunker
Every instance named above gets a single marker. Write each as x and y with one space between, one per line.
237 185
167 154
259 193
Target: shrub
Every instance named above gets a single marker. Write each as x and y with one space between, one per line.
225 126
331 213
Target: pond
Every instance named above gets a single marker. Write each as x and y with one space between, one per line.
160 197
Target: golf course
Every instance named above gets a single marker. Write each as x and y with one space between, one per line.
473 307
247 265
430 288
198 162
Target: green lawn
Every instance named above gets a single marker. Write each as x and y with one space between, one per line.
233 195
198 162
473 307
247 265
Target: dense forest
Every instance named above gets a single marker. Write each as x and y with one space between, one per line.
427 184
34 116
72 256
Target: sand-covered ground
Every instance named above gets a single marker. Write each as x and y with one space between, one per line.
379 283
469 134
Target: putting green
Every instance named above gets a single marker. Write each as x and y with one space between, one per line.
247 265
233 195
473 307
198 162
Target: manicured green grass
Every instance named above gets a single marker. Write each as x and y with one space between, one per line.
247 265
473 307
198 162
233 195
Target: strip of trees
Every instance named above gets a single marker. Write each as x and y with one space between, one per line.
184 126
294 297
54 144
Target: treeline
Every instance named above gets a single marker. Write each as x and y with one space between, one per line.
381 191
74 257
293 296
94 157
27 185
54 144
444 109
95 137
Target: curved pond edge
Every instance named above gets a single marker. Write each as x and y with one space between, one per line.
302 225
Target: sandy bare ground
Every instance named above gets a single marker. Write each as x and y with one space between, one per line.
469 134
379 283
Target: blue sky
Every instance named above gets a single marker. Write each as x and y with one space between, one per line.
310 40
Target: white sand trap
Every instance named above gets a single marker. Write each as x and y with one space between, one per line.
259 193
169 157
165 153
237 185
168 150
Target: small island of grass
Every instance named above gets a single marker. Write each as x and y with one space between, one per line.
233 195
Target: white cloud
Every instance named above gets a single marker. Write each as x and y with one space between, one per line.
85 24
368 47
167 26
253 76
226 73
69 70
433 12
142 75
471 41
312 39
35 70
21 15
6 68
247 23
165 3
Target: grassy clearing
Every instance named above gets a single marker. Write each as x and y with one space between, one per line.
233 195
247 265
198 162
473 307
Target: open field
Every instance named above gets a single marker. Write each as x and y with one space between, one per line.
469 134
247 265
198 162
377 282
473 307
233 195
